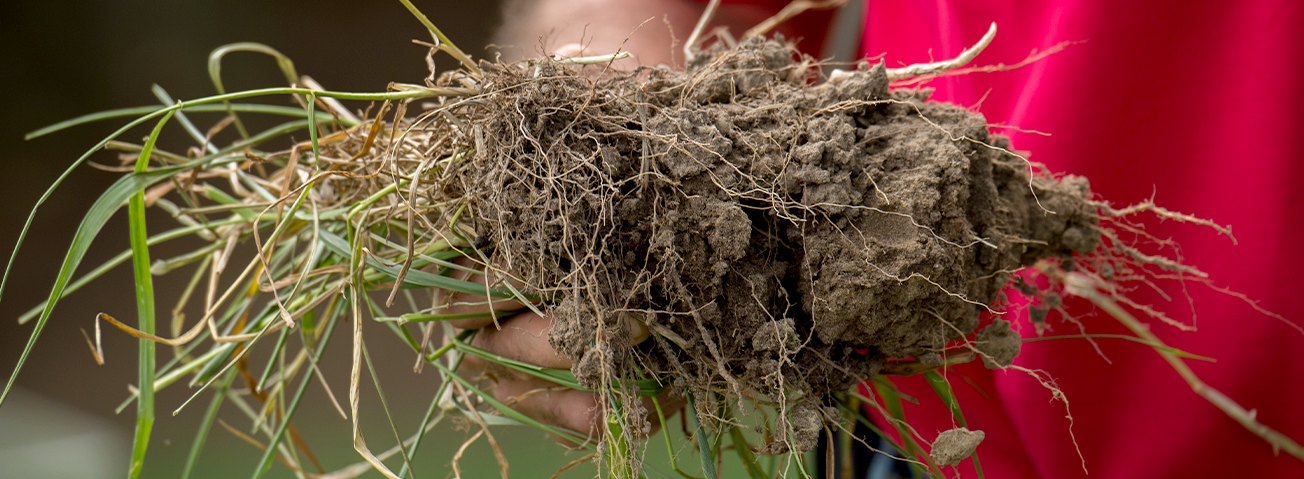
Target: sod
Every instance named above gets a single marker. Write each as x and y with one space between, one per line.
746 233
779 239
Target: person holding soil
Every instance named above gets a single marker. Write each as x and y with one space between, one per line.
1192 104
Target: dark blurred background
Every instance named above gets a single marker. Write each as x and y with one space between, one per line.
64 58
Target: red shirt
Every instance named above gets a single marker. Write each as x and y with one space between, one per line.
1198 105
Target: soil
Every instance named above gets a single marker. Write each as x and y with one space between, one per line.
779 239
954 445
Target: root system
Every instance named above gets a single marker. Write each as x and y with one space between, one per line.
780 240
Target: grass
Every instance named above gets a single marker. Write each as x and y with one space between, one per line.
144 307
316 240
132 189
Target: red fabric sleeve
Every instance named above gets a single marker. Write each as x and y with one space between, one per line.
1197 104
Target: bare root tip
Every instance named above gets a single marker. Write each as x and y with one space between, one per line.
921 69
1167 214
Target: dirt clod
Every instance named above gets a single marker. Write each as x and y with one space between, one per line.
805 425
998 344
954 445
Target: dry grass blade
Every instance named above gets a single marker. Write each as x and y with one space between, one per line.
493 443
690 45
270 406
790 10
570 465
189 336
262 447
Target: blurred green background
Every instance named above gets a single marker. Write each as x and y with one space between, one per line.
66 58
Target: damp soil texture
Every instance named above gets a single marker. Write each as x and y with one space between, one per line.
780 235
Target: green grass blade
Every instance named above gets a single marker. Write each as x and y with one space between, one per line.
202 434
99 214
391 189
166 375
194 132
215 61
415 277
563 377
617 453
436 253
670 448
892 400
703 444
257 188
512 413
95 219
862 419
129 185
48 191
944 392
117 260
94 117
265 463
145 110
421 431
434 406
120 192
271 360
452 49
163 266
745 454
144 308
312 133
215 70
421 317
221 197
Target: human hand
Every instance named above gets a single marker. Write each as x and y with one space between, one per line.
524 337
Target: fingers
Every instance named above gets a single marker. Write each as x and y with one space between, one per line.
523 337
464 303
572 409
552 404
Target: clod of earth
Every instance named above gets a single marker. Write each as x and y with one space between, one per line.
998 344
780 239
954 445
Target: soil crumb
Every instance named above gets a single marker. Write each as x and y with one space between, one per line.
954 445
779 237
998 344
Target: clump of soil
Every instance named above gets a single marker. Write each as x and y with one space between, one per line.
998 343
954 445
779 239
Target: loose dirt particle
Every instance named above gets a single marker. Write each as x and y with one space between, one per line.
998 344
954 445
